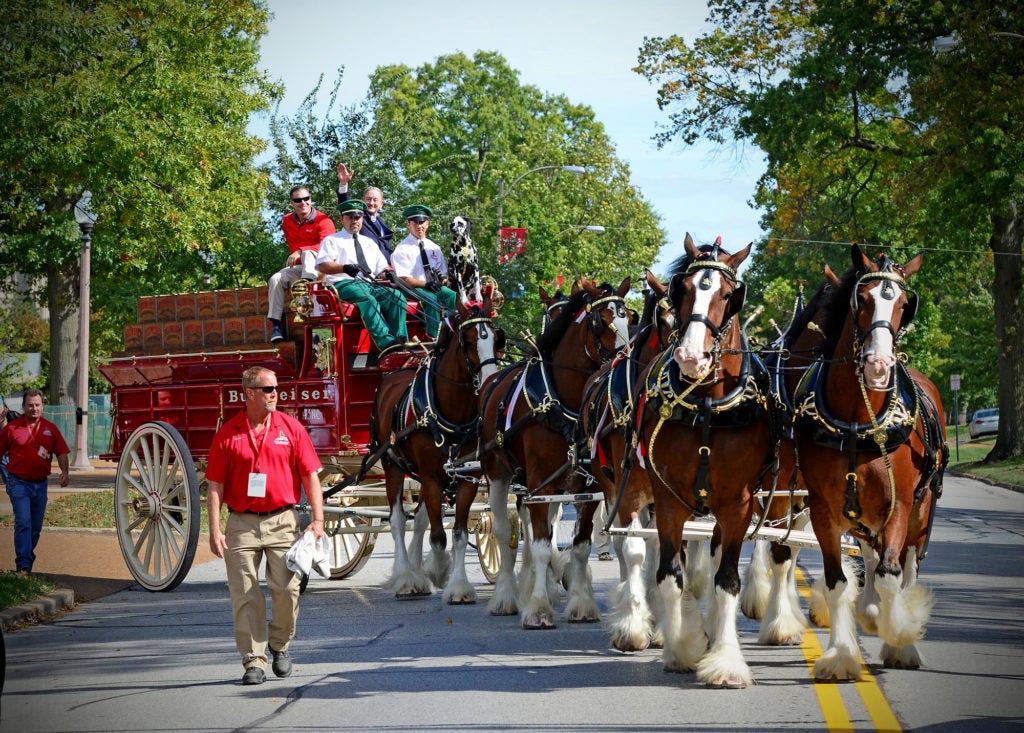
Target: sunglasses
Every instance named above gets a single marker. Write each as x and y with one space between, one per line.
353 214
265 390
300 199
418 219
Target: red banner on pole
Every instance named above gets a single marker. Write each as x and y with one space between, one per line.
511 244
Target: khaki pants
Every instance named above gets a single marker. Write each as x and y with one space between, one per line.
249 539
280 283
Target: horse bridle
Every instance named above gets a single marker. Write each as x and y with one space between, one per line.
888 292
717 331
482 323
598 326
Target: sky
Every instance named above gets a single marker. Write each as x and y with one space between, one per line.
584 49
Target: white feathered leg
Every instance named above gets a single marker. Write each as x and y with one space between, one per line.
459 590
868 600
537 612
699 568
841 660
503 601
904 613
631 619
581 608
783 622
723 665
685 640
756 582
407 576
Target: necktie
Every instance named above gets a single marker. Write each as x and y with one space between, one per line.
426 262
360 257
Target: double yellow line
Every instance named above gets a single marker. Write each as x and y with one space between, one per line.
836 716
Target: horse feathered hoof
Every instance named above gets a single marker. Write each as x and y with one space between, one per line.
531 623
727 684
409 594
584 619
462 601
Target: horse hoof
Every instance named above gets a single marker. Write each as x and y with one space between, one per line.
464 601
728 684
409 594
535 623
628 648
584 620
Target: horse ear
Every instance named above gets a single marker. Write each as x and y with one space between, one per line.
860 260
737 259
623 287
656 284
914 265
690 246
543 293
675 288
831 276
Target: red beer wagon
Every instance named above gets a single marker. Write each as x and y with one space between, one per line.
179 379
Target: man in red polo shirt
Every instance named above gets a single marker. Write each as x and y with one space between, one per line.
258 463
304 228
30 442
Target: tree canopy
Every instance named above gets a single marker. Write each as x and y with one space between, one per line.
873 135
146 104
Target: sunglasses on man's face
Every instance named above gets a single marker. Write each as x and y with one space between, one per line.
300 199
418 219
265 390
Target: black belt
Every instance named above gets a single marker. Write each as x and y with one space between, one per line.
262 514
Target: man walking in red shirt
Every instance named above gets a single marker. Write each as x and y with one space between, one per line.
30 442
259 462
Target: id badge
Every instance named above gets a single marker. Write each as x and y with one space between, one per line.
257 485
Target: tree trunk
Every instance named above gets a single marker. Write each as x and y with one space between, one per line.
63 299
1007 235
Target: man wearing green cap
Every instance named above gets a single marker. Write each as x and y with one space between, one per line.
420 264
350 263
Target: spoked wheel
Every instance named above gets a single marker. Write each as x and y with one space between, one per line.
157 507
349 552
487 547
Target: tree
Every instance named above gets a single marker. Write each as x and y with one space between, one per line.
871 136
146 104
469 125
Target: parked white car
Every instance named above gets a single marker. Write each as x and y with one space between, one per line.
984 422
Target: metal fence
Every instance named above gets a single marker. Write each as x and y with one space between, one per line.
63 416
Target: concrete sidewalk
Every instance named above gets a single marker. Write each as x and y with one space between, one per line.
84 564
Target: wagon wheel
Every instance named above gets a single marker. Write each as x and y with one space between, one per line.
349 552
157 507
487 547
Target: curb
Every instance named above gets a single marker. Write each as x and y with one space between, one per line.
38 610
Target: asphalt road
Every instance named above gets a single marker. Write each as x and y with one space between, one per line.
137 661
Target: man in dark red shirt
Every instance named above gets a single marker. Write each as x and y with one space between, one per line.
30 442
303 229
259 462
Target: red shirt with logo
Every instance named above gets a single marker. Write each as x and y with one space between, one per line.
31 448
306 234
283 452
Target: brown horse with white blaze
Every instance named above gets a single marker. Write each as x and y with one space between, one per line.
706 439
871 447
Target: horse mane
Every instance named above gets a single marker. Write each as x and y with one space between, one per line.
647 316
553 334
835 306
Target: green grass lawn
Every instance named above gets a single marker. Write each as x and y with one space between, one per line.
15 590
973 452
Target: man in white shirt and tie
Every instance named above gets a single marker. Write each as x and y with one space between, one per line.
350 263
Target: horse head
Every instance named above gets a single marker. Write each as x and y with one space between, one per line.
661 314
706 295
608 318
882 310
479 342
552 305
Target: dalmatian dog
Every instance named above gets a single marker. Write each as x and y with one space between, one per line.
463 270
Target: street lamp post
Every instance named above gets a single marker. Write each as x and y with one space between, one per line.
86 221
578 170
583 228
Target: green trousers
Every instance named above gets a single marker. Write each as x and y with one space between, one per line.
381 309
445 296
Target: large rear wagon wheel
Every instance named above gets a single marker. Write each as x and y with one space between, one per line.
157 507
349 552
487 547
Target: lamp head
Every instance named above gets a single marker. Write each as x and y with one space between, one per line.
84 215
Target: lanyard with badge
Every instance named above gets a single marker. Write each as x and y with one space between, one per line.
257 488
33 436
